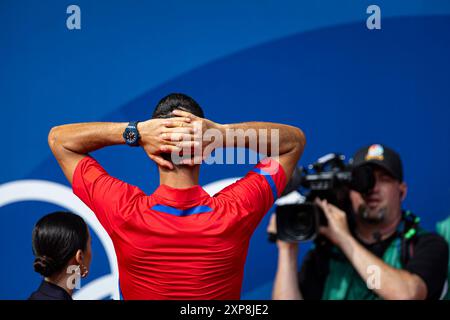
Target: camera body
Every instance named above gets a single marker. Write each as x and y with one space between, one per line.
328 178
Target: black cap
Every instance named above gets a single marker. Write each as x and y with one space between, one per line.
382 156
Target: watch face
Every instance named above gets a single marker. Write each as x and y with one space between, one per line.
130 136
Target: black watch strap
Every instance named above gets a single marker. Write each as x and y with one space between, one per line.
133 124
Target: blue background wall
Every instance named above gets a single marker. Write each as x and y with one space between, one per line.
313 64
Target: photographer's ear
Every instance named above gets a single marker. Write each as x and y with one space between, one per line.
403 191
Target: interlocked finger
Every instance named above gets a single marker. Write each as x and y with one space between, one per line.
177 122
177 136
182 113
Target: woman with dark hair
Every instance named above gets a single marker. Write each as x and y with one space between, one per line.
62 249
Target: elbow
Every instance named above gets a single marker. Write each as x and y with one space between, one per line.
300 139
415 289
415 293
398 295
407 295
53 141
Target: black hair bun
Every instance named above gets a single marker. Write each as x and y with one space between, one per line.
56 238
45 265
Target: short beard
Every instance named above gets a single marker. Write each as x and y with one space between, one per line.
365 215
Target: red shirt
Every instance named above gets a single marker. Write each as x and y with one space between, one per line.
179 243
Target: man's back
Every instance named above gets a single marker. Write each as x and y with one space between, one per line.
179 243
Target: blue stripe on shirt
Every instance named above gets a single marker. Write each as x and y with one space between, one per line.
269 181
179 212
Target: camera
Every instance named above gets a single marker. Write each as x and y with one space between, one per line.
328 178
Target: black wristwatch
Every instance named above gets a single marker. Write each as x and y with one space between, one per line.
131 134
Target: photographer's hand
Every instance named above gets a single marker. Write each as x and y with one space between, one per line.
337 230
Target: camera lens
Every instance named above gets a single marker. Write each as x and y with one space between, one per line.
301 222
296 222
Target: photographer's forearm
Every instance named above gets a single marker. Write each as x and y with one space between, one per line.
286 282
394 283
240 135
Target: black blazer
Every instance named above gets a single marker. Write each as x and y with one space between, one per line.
50 291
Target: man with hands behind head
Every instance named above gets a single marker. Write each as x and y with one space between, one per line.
179 242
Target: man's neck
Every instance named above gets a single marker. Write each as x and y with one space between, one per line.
180 177
370 233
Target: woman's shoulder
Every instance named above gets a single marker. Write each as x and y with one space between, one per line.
49 291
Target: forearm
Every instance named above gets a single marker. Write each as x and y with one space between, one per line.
72 142
82 138
286 280
394 283
264 137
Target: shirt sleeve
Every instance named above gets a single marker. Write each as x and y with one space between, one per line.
430 263
257 191
109 198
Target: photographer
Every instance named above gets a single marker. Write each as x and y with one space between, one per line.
379 257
